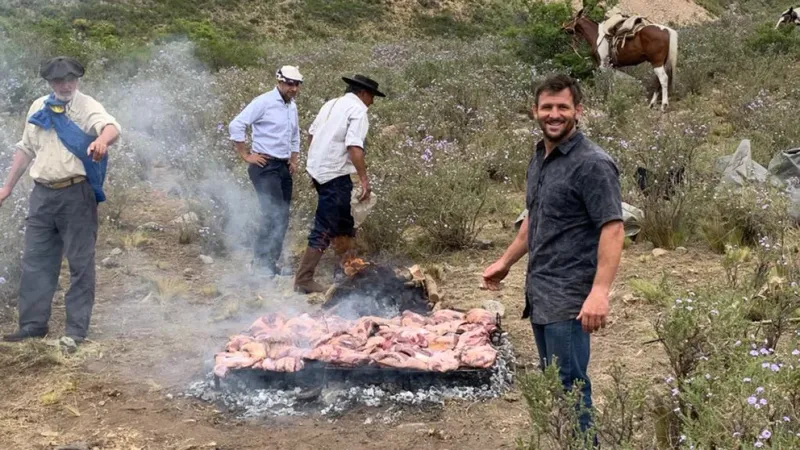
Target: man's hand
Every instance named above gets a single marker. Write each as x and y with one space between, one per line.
292 168
594 313
257 159
494 274
98 149
365 190
4 194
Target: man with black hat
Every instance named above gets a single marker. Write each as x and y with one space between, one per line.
272 161
336 150
67 136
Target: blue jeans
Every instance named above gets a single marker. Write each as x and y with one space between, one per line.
569 344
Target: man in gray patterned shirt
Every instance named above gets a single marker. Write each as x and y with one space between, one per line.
573 236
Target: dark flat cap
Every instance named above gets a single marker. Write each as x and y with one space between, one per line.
61 67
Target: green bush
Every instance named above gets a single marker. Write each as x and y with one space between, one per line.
447 203
540 40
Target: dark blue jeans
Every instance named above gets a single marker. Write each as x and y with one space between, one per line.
333 217
569 344
273 185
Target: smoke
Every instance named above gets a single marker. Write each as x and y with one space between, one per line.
174 113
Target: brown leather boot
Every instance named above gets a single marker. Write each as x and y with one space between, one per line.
304 278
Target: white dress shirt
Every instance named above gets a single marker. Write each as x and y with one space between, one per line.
341 123
274 122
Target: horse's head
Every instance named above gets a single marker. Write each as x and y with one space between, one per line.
788 16
569 25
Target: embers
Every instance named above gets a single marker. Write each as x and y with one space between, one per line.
375 290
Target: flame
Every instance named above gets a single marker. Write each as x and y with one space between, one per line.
353 265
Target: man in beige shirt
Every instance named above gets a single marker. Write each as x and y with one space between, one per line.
67 137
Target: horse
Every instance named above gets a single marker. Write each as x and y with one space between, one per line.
654 43
788 16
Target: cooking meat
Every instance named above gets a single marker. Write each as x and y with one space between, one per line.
412 319
257 350
339 355
447 315
289 364
474 338
236 342
447 327
444 361
235 360
442 342
399 360
267 323
482 317
481 357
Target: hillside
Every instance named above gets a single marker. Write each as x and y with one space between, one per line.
701 345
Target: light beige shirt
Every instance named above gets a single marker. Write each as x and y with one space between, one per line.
52 161
341 123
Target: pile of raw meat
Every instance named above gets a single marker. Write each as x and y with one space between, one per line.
447 340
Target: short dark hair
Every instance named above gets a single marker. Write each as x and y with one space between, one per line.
351 89
558 83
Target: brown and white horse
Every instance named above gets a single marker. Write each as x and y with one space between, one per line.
656 44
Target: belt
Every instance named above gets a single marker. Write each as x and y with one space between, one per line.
272 158
63 183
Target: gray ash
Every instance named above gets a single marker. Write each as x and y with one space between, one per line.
238 396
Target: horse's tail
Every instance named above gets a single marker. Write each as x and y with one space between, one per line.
672 56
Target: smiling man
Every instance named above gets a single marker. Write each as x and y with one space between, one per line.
573 236
67 137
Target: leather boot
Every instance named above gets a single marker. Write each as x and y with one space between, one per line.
304 278
343 249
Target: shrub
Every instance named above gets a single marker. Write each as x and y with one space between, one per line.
540 40
447 202
768 40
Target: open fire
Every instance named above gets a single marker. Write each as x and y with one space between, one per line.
377 333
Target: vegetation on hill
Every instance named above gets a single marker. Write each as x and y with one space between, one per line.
448 150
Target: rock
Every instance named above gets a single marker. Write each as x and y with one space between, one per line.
188 271
657 252
206 259
494 307
76 446
186 219
681 250
150 226
68 344
512 397
483 244
116 252
109 262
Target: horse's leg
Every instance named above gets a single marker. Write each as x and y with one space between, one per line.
663 79
655 93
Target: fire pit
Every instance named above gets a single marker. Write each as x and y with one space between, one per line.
376 337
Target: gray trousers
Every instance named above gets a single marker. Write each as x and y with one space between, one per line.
60 222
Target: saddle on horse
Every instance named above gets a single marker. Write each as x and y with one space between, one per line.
618 28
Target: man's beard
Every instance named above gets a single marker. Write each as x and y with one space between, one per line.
569 125
64 98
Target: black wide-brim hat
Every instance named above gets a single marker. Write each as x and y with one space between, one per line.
364 82
60 67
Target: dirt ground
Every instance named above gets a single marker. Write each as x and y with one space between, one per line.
120 390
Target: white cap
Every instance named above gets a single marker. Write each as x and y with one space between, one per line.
287 73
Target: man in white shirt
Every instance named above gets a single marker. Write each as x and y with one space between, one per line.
66 137
336 151
272 161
